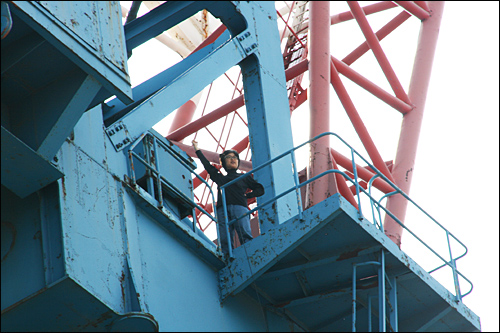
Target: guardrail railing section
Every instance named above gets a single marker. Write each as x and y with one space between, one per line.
149 159
448 242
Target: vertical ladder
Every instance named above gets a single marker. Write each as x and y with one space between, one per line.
382 295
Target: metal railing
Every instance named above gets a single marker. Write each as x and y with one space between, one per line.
162 180
374 203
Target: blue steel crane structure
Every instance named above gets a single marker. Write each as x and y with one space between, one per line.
98 218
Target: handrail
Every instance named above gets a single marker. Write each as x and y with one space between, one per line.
451 263
162 179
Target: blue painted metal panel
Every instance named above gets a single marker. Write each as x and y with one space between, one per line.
24 171
22 256
66 306
115 108
78 30
90 252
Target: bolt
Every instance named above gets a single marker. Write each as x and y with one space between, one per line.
241 38
254 46
247 34
111 132
119 145
248 49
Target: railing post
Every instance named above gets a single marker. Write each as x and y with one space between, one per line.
454 269
354 297
157 166
224 207
393 298
297 189
381 293
360 214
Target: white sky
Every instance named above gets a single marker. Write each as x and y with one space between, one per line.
456 172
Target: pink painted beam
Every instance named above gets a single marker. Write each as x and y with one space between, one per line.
362 172
404 164
423 5
371 87
342 185
381 34
296 70
370 9
374 44
358 123
414 9
183 115
210 39
207 119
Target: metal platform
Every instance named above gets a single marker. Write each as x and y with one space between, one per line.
303 269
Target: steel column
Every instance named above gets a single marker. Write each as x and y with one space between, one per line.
404 162
381 294
319 101
393 299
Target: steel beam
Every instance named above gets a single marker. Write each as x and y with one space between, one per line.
366 84
358 124
414 9
404 162
370 9
199 73
158 20
116 108
374 44
71 112
381 34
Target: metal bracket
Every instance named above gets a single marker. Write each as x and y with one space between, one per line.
246 42
119 135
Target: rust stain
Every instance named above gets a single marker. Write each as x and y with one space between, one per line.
122 287
63 187
349 254
14 236
102 318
